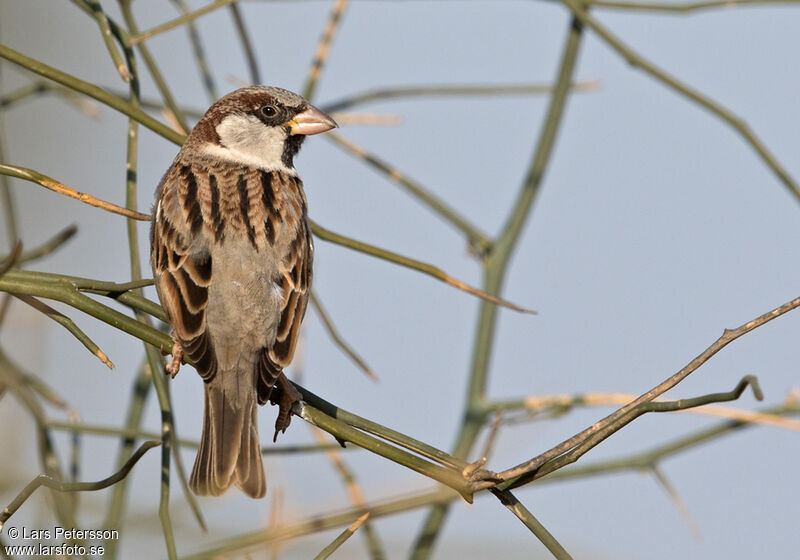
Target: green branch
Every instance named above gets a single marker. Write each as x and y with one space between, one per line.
91 90
61 486
413 264
496 266
637 61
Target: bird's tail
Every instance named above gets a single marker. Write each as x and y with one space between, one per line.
230 451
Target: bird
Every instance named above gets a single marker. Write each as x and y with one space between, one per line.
231 252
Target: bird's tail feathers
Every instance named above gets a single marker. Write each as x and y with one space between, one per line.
230 450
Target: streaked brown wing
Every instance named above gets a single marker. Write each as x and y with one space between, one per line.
182 272
295 281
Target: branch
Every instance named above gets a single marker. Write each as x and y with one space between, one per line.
12 259
61 486
517 508
343 432
704 101
414 264
323 48
588 438
324 522
496 266
96 11
557 405
178 21
522 474
177 115
68 324
682 8
452 90
199 52
49 246
60 188
477 240
333 332
340 540
132 433
646 459
91 90
25 283
247 45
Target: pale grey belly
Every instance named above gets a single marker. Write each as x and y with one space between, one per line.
244 303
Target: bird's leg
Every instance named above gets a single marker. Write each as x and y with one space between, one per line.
177 355
285 396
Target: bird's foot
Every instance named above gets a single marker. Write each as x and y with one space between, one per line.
285 396
177 355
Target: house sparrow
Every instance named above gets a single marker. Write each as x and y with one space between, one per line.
231 253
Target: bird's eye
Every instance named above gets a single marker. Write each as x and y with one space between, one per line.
269 111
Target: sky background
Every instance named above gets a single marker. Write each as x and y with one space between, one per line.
656 228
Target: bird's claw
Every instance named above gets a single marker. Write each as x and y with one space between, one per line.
286 397
177 356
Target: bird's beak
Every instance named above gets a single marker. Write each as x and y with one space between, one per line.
311 121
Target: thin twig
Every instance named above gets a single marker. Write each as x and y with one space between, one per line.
496 265
343 432
60 188
7 196
572 449
168 431
323 522
247 45
18 282
682 8
133 433
366 119
477 239
120 292
15 379
68 324
323 47
85 106
517 508
178 21
199 53
353 491
453 90
414 264
61 486
43 390
12 259
136 405
383 432
637 61
646 459
333 332
175 114
677 501
97 13
559 404
91 90
50 245
340 540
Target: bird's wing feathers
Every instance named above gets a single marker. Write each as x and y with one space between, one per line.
182 268
295 279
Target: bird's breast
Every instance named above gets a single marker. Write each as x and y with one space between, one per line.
244 301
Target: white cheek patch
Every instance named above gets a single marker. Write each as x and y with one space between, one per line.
248 141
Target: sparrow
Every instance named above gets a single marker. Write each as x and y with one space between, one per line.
231 252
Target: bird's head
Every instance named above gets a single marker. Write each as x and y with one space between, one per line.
257 126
